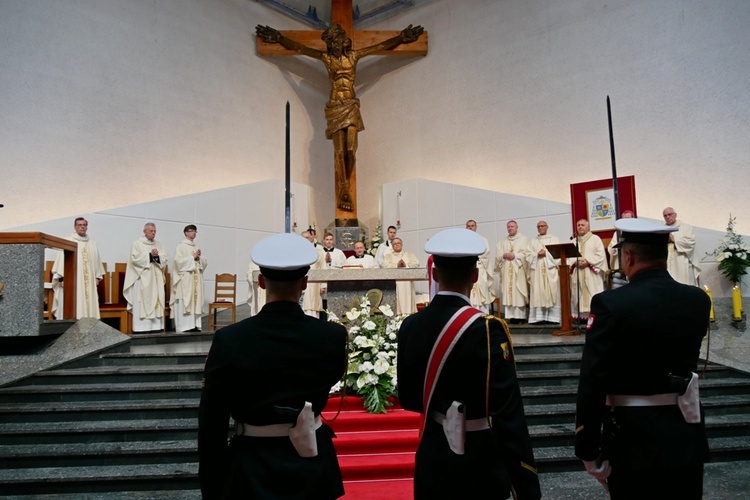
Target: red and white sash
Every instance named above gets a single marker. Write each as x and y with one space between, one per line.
449 336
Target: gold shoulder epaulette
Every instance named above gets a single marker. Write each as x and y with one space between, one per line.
337 322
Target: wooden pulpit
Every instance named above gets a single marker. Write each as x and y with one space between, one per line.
564 251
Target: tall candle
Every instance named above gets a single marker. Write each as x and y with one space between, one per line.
736 304
711 316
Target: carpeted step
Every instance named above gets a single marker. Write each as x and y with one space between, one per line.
393 441
353 403
392 489
358 421
376 448
377 466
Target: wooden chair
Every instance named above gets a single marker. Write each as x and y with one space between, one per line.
225 294
115 306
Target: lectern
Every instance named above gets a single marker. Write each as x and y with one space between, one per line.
21 270
564 251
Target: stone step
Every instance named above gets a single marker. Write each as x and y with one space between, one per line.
138 359
102 477
96 454
720 427
105 478
572 485
189 388
542 410
99 410
193 494
528 376
120 374
95 431
545 414
554 459
100 392
566 393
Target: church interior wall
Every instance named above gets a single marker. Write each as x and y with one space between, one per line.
110 104
512 97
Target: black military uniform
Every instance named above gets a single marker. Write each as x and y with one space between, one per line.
495 459
637 336
261 371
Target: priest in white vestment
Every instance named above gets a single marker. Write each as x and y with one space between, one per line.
312 300
385 247
511 267
144 282
187 299
360 257
587 272
680 263
406 299
89 271
256 296
482 293
334 257
544 278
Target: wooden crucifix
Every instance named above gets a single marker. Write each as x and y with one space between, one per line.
340 53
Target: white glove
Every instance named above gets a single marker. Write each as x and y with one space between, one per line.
600 471
618 280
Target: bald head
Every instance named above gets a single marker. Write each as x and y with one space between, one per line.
670 216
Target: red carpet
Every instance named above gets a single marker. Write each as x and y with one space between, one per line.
376 452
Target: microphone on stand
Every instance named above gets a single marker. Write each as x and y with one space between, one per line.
572 237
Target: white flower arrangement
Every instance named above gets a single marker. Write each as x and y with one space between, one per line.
732 254
376 241
373 345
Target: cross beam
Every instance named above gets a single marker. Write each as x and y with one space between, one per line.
342 13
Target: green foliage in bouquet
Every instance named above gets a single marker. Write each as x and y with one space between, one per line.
732 254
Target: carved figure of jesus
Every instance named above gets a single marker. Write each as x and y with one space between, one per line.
343 118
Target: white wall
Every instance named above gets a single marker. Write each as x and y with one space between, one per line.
110 103
512 98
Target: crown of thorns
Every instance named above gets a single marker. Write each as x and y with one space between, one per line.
333 33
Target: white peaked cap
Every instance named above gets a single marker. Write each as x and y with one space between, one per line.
456 242
643 231
284 252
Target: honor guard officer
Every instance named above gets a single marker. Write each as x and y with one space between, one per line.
272 374
457 368
639 426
